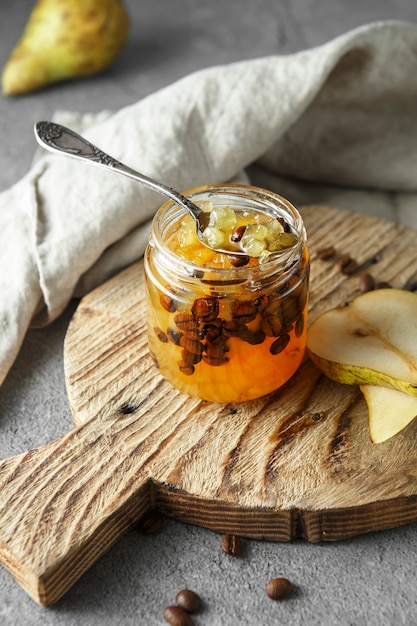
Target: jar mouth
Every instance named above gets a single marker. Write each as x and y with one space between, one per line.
238 197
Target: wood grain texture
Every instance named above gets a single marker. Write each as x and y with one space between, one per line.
297 463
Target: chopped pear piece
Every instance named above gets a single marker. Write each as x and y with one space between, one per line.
372 340
390 411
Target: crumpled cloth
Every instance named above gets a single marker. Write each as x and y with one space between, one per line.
336 124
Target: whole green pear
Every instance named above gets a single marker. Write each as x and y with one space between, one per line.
65 39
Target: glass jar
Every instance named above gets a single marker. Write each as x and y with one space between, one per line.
219 332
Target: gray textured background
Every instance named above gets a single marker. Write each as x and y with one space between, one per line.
368 580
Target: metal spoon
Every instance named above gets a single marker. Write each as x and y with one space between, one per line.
58 138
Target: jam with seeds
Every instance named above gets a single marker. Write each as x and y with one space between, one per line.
220 330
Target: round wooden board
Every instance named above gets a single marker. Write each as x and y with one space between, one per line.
297 463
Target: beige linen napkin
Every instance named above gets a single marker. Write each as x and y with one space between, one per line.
334 122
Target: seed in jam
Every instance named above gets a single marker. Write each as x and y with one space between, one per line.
237 234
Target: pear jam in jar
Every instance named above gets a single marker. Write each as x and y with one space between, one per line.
225 328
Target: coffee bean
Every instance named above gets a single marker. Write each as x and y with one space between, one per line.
167 303
213 330
190 358
299 326
326 253
284 224
174 336
273 307
217 348
205 309
366 282
302 295
191 345
231 544
254 337
244 311
186 322
238 260
237 233
383 285
278 588
271 326
234 329
214 360
160 334
290 310
279 344
188 600
177 616
347 265
186 368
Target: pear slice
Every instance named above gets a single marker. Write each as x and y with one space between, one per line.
389 411
372 340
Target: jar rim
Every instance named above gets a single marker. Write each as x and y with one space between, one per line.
171 211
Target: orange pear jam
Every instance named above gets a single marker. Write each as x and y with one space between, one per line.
220 327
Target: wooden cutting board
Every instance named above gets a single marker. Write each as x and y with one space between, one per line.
297 463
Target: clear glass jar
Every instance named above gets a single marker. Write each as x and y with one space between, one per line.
219 332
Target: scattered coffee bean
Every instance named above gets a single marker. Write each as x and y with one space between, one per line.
383 285
188 600
278 588
366 282
326 253
151 523
347 265
177 616
231 544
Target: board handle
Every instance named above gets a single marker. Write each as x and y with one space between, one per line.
64 504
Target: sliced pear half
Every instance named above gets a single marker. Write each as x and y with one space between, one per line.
370 341
389 411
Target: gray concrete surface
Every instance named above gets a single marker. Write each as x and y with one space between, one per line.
369 580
